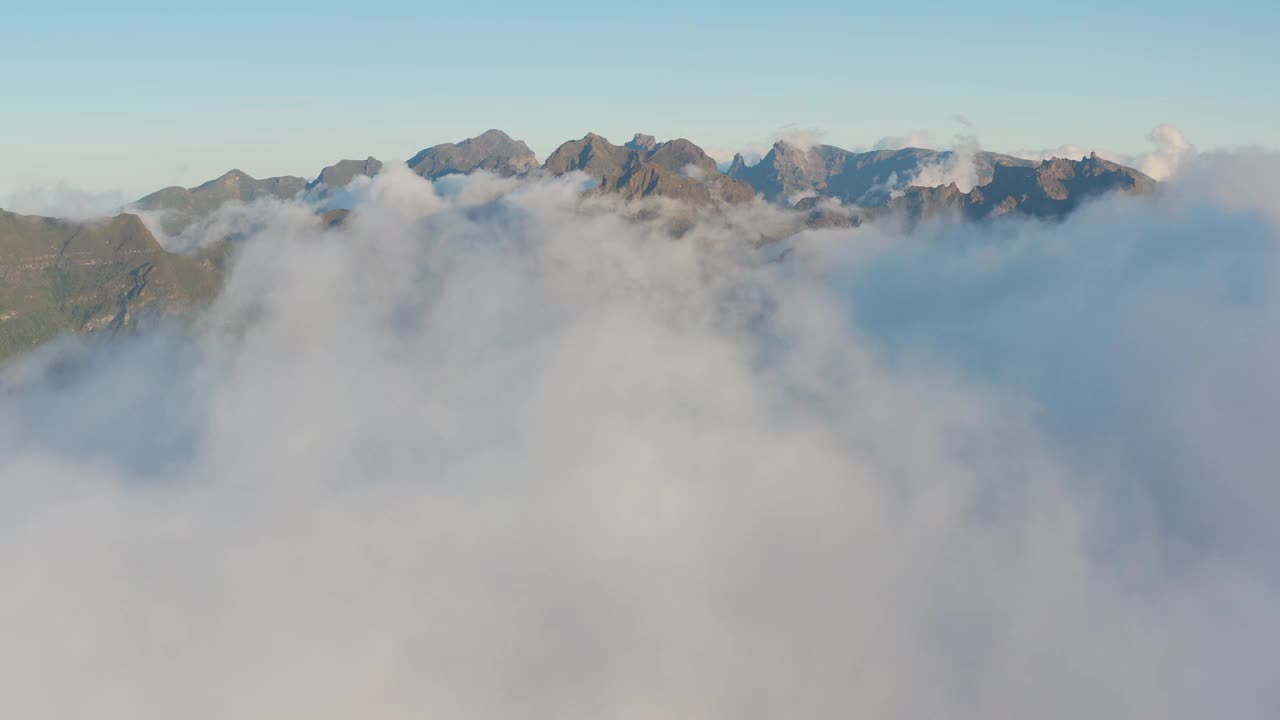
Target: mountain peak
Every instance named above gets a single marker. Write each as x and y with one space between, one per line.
1048 189
494 139
493 151
737 165
189 204
341 173
646 143
680 153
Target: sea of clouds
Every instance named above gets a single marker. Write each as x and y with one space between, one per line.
490 450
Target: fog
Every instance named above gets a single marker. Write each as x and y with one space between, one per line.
491 450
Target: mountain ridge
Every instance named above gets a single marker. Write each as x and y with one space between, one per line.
113 275
182 207
1049 190
874 181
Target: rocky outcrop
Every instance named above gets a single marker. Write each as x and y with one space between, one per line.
643 143
341 173
492 151
868 179
676 169
1050 189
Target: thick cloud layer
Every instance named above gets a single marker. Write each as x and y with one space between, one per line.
525 457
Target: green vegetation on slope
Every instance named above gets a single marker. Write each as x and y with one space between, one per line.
107 276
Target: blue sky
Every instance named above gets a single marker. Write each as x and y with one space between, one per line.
138 95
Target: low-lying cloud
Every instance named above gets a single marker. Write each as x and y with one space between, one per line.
1170 150
489 450
62 200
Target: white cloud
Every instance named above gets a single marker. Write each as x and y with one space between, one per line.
528 458
913 139
800 137
693 171
62 200
1172 150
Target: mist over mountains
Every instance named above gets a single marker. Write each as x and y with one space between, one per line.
680 170
107 284
500 447
904 433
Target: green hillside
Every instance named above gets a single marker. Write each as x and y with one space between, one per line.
106 276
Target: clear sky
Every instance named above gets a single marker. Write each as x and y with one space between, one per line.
137 95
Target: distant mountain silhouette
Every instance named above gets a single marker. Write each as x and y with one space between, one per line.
493 151
184 206
874 182
1050 189
341 173
112 275
676 169
866 179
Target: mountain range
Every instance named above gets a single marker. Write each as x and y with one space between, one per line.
788 175
111 276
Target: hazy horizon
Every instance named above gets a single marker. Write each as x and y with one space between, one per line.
135 96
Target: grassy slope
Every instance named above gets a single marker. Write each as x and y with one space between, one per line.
106 276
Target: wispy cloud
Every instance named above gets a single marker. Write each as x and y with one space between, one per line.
62 200
1171 150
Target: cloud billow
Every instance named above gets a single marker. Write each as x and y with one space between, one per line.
497 451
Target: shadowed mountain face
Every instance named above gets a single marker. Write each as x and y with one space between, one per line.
676 169
102 276
340 174
1050 189
493 151
185 206
866 179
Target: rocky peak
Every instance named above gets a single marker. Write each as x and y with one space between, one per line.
634 172
492 151
341 173
492 135
678 154
643 143
592 154
1049 189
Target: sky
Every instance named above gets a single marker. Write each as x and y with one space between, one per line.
129 97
